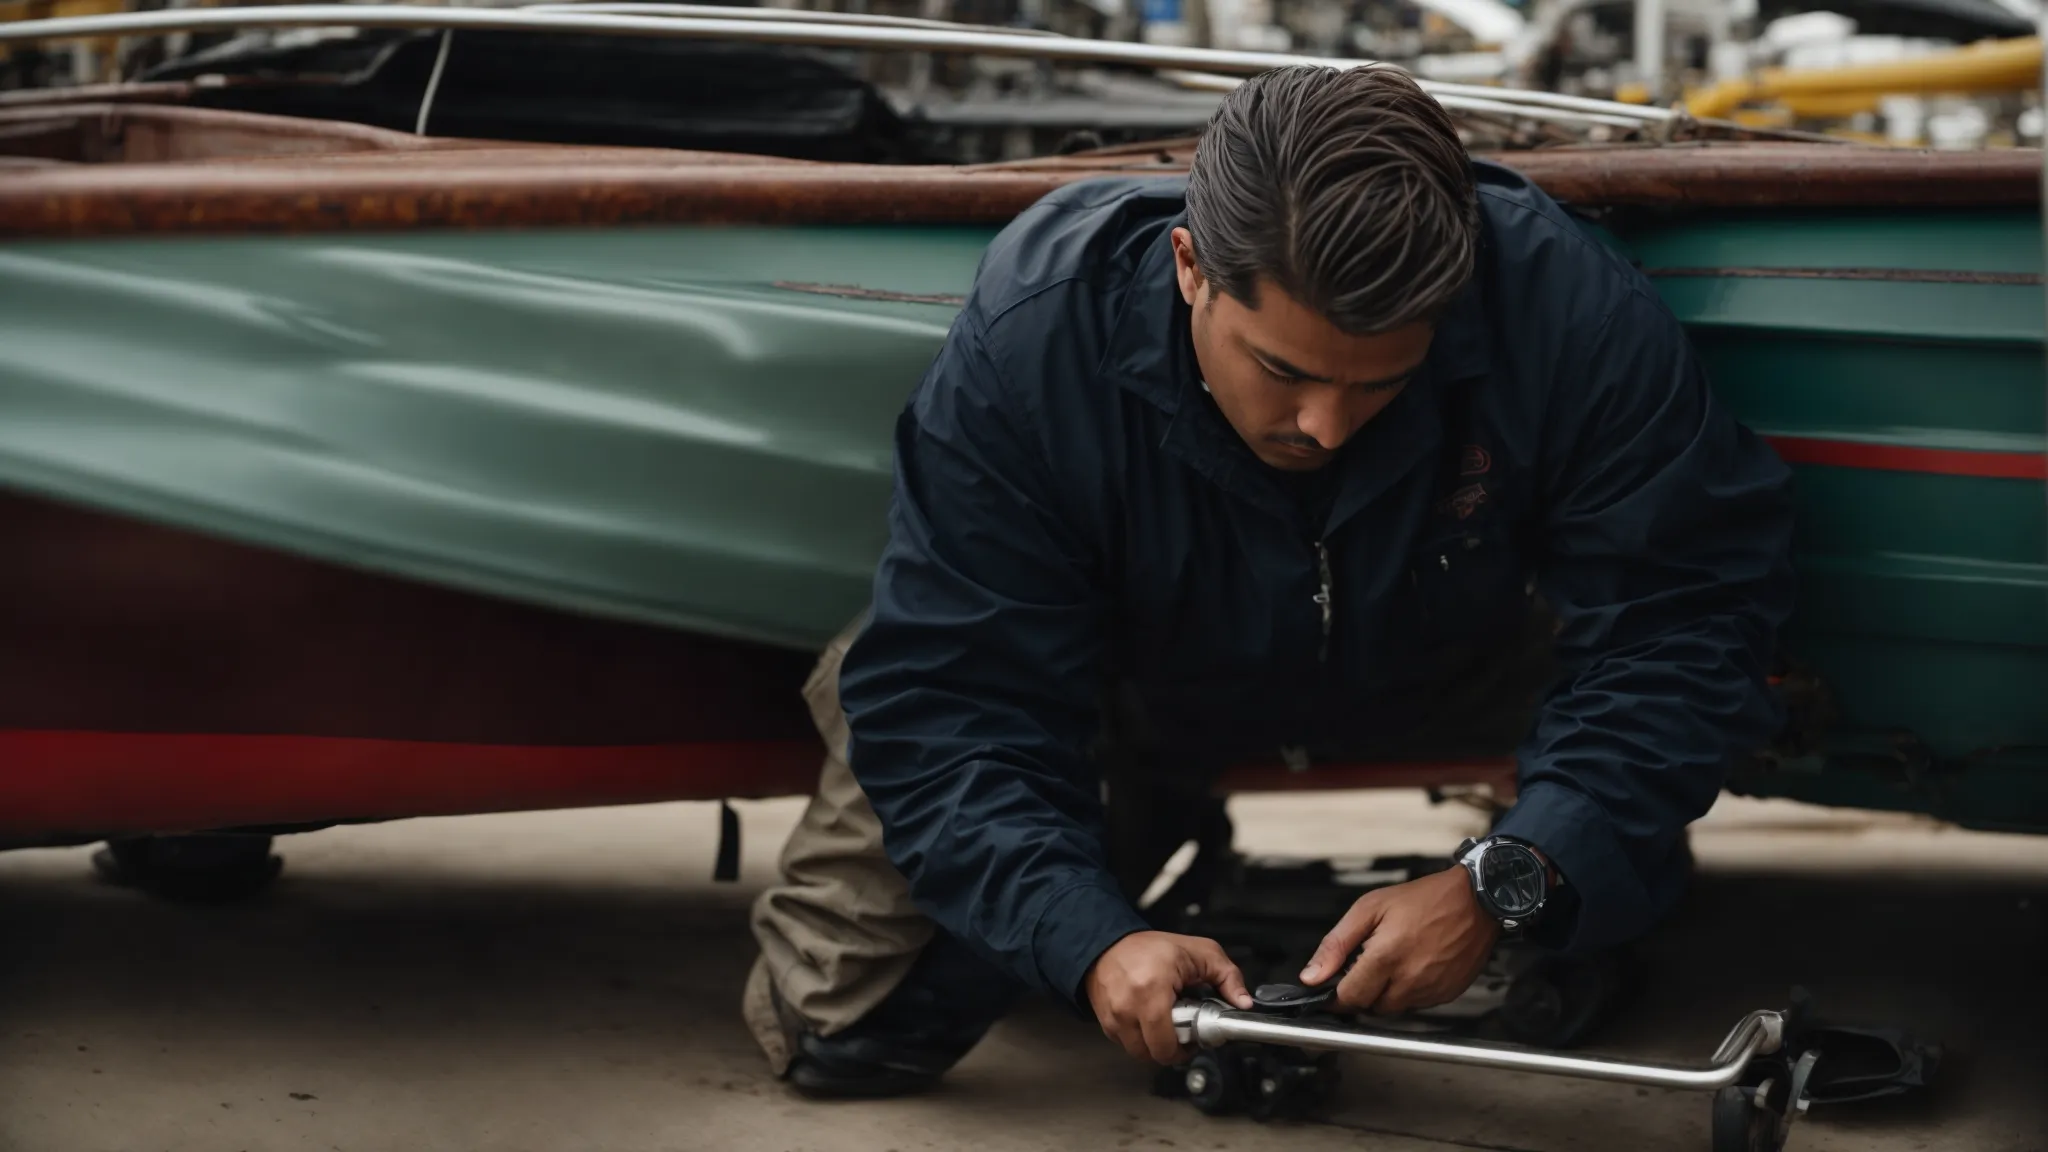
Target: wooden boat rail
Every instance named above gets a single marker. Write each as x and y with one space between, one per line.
168 168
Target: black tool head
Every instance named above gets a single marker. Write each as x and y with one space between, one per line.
1291 997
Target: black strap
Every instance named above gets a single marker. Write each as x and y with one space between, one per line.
727 869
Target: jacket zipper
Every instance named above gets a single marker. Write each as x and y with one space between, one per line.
1324 599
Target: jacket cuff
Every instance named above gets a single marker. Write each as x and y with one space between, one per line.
1076 926
1606 902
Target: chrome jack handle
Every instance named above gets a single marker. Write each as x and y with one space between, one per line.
1756 1119
1212 1024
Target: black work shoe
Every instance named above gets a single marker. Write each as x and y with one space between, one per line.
860 1068
943 1007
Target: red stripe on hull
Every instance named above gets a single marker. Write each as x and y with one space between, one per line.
1901 458
105 783
110 782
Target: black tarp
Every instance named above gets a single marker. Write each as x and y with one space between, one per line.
568 89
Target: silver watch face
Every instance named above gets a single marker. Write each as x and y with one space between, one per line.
1512 879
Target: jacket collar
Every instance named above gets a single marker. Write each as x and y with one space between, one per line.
1150 356
1148 352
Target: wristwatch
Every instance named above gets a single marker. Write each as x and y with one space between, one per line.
1511 882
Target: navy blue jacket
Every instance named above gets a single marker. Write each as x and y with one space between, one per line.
1070 505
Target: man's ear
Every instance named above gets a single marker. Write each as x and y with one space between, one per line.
1185 270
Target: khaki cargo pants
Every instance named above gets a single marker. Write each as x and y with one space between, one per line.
838 931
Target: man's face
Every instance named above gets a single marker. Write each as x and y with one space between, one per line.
1293 385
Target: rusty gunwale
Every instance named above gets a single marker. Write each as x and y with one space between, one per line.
316 176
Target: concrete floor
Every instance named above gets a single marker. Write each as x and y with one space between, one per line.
568 981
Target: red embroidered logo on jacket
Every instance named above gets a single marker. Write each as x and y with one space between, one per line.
1465 501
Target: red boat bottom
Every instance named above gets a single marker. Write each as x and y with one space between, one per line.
54 783
108 782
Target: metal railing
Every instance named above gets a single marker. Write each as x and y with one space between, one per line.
805 29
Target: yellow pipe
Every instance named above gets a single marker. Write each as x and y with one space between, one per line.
1832 105
1989 66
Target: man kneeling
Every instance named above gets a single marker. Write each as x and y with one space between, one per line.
1291 453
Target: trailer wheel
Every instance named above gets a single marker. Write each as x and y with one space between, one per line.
1742 1125
1288 1083
207 868
1212 1084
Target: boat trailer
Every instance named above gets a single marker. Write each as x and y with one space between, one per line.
1275 1061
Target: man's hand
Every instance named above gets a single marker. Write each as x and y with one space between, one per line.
1425 942
1132 988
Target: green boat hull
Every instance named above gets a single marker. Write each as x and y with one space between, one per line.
689 427
1923 607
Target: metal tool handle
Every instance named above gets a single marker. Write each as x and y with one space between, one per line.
1212 1024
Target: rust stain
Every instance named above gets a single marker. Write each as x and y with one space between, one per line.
855 292
208 171
1888 275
